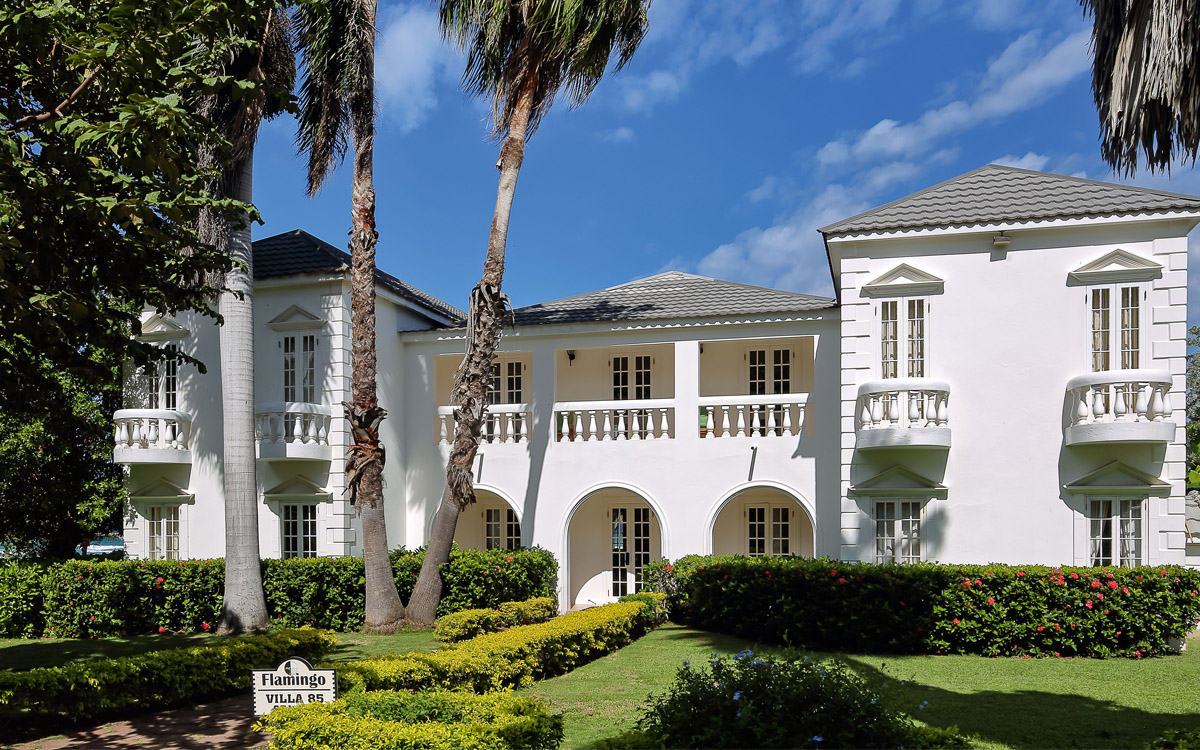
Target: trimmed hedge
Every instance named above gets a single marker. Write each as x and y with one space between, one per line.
435 720
513 658
79 599
991 610
109 687
459 626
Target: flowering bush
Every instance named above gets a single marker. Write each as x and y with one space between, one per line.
992 610
80 599
750 701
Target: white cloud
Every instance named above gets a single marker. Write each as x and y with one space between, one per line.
1013 83
622 134
410 63
643 92
1030 160
765 191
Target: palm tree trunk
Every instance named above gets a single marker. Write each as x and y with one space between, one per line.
364 465
244 607
485 322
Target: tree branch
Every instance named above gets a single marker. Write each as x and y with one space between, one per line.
30 120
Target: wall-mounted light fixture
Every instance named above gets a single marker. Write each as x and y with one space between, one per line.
570 358
1001 241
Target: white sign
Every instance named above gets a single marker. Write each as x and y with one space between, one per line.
292 683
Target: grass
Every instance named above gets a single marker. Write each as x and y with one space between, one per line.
23 653
1015 703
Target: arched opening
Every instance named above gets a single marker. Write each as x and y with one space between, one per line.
763 521
491 523
613 534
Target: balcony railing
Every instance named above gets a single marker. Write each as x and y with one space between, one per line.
903 412
640 419
778 415
289 429
502 423
1120 406
152 436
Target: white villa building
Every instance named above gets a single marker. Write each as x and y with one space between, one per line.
999 379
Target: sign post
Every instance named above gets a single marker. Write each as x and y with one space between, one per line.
294 682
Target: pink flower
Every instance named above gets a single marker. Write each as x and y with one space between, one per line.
1100 597
509 559
1124 590
1087 604
1020 573
1095 584
841 580
978 582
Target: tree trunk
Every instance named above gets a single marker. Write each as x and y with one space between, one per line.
484 324
364 464
244 607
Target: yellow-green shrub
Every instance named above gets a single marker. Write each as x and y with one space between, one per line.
469 623
387 720
511 658
108 687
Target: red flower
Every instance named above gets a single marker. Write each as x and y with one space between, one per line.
1057 654
93 618
668 568
1100 597
1041 628
509 559
1110 575
1074 575
1095 584
901 604
161 629
955 620
978 582
991 601
1024 656
205 626
1020 573
841 580
158 580
833 574
768 573
1088 604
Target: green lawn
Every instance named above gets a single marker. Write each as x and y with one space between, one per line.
1005 702
20 653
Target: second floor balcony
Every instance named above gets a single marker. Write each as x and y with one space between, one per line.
1120 406
903 413
152 436
292 430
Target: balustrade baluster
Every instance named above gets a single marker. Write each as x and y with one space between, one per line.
1098 407
650 429
1166 401
787 420
1142 403
1156 404
1119 402
914 408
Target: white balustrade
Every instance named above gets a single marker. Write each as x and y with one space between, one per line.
635 419
1120 396
502 423
292 423
903 403
778 415
149 429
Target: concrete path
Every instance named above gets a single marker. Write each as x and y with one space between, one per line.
221 725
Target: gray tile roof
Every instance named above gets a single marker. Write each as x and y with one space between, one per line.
669 295
995 193
298 252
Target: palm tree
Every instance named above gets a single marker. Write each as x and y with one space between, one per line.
269 63
1146 80
520 54
337 104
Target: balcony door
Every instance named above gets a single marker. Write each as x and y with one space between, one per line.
902 338
1116 327
630 548
769 373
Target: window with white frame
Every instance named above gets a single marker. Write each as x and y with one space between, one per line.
768 530
1115 531
163 380
299 530
897 530
1116 318
300 368
501 529
631 384
903 336
162 532
506 385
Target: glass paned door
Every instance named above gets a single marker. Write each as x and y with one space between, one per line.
630 549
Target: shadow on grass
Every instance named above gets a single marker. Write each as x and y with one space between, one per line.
1026 718
23 655
726 644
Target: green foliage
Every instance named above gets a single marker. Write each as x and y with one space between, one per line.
92 690
430 719
656 600
512 658
100 193
459 626
990 610
59 488
749 701
83 599
1177 739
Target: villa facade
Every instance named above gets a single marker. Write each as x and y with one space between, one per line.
999 378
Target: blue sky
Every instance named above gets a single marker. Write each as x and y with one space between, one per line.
737 130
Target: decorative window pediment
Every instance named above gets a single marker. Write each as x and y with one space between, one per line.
161 491
298 488
904 280
1118 478
898 482
161 328
296 318
1119 265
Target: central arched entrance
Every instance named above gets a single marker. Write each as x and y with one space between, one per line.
612 535
762 521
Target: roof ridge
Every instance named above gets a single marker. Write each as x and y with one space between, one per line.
1089 181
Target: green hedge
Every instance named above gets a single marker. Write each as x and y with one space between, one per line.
79 599
102 688
991 610
512 658
459 626
435 720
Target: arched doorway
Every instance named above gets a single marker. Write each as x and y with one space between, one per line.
762 521
612 535
491 523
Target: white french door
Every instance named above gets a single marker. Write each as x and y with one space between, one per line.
630 549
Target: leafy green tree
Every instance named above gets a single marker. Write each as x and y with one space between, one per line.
520 54
101 183
58 486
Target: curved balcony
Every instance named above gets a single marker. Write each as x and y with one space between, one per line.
903 413
152 436
502 423
1120 406
292 430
